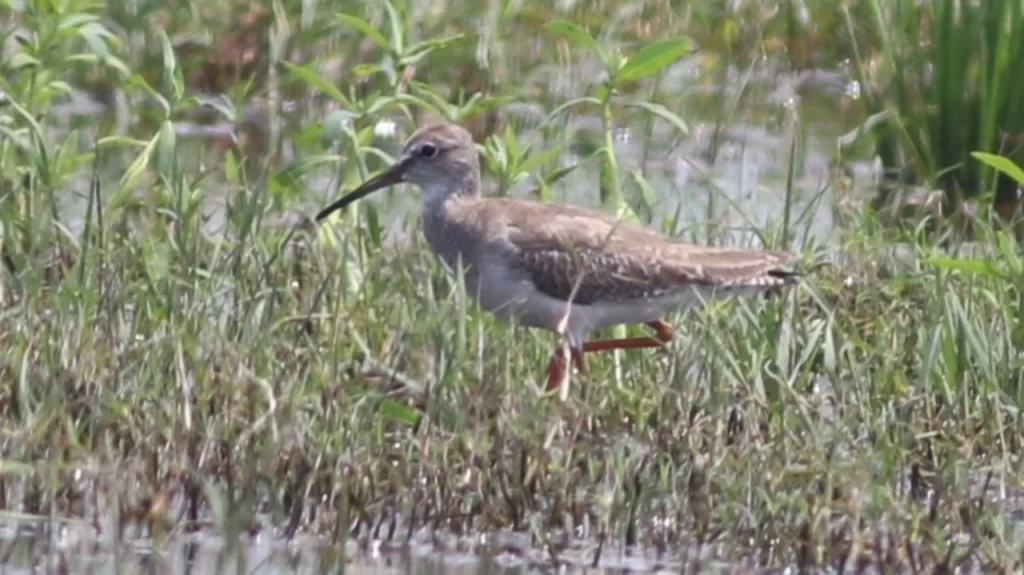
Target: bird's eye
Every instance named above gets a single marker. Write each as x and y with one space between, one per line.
428 150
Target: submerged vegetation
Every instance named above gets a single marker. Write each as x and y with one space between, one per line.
182 349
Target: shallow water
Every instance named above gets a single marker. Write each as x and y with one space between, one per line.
94 543
78 552
742 186
25 550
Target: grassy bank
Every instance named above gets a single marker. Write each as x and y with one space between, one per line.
275 384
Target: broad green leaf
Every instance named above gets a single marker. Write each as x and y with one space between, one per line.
367 30
364 70
477 105
1001 163
221 104
419 51
387 102
853 136
978 267
165 151
428 95
97 45
540 158
76 21
433 44
133 173
316 81
85 58
651 58
139 82
665 114
99 30
120 141
397 37
512 142
566 105
118 65
579 36
557 175
38 148
172 78
22 60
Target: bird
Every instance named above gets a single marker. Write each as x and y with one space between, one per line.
563 268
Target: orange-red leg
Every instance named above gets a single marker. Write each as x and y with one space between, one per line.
556 367
664 336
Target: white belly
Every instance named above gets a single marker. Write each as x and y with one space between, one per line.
512 297
646 310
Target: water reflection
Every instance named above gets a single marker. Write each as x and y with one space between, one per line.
27 549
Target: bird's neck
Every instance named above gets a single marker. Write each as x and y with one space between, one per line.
437 194
444 223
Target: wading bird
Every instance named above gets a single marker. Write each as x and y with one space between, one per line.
562 268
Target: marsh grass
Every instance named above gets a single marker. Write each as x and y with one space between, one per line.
944 79
160 378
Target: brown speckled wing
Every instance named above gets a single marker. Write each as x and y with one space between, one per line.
565 248
591 275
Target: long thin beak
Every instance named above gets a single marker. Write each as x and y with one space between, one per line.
388 177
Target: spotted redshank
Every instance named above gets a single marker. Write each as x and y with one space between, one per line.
558 267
